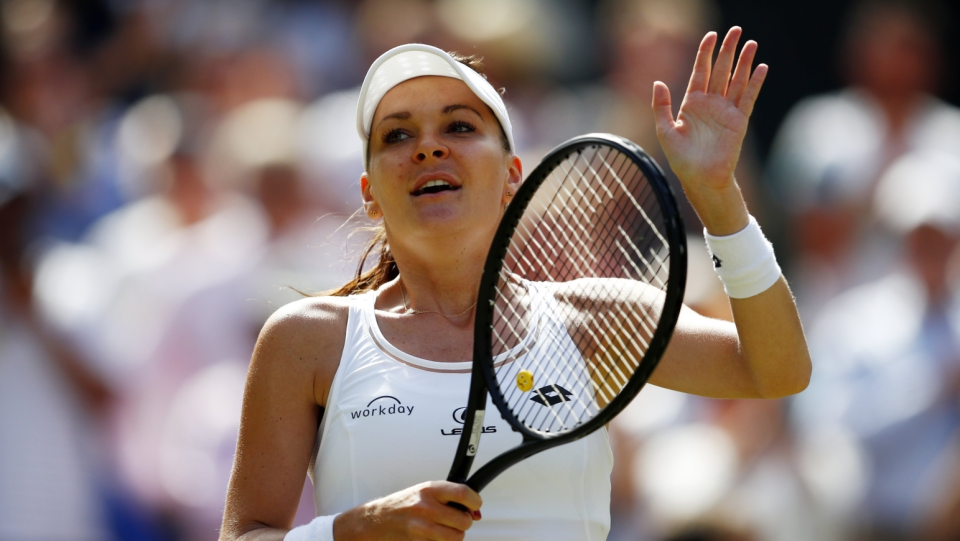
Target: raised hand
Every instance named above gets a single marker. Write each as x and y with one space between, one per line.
703 143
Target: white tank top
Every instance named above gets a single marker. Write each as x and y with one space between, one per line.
393 420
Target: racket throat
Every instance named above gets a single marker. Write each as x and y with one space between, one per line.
469 444
475 432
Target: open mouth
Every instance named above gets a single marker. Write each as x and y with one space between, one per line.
435 186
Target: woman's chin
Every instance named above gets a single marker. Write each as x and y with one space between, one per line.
443 223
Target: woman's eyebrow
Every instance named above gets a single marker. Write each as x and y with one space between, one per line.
451 108
405 115
402 115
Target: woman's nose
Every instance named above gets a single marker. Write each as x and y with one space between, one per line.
430 149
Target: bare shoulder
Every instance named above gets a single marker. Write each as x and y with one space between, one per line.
307 320
304 339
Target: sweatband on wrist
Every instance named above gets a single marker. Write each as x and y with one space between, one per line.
319 529
744 261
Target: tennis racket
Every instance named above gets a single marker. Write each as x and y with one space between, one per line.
578 299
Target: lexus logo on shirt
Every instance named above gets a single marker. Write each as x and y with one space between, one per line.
459 416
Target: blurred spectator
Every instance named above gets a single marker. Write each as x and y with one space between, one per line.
258 146
51 405
831 149
871 181
384 24
315 39
731 469
194 349
776 493
943 521
329 161
123 293
51 89
185 277
889 351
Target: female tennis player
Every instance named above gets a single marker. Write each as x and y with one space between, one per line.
379 366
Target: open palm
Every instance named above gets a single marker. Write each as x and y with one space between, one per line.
703 143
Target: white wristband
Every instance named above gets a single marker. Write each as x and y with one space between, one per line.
319 529
744 261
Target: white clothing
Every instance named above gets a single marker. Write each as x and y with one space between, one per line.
163 310
832 148
392 421
47 480
830 153
887 356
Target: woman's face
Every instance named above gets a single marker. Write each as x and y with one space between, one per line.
437 163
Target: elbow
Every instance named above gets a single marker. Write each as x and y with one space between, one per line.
236 532
795 385
791 379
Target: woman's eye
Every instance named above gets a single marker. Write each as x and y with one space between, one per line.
393 136
460 126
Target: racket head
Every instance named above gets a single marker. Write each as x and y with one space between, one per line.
597 206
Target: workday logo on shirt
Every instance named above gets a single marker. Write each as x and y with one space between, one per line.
382 406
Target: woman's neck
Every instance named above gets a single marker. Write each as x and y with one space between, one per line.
442 277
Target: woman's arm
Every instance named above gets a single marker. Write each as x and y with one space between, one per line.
293 365
764 354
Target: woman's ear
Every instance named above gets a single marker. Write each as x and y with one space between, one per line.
514 178
370 206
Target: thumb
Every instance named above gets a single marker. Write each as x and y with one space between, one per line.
662 108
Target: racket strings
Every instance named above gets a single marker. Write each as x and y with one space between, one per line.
593 234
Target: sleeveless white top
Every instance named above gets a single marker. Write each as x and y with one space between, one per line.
393 420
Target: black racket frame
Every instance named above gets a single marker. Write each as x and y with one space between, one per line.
483 374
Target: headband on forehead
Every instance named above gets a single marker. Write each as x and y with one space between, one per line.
416 60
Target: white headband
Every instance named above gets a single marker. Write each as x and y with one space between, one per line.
416 60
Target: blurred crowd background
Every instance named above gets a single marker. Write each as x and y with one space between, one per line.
172 171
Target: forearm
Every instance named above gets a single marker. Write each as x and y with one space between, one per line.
772 349
763 354
722 211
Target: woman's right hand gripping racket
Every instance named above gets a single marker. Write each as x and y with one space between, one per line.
579 296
